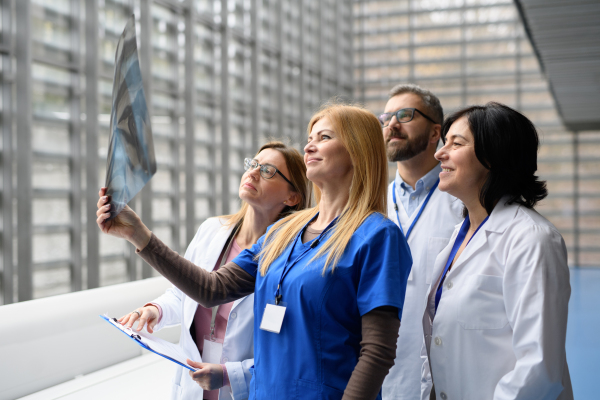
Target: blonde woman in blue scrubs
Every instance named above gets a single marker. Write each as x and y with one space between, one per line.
329 282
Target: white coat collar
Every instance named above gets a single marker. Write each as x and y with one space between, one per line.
214 250
500 218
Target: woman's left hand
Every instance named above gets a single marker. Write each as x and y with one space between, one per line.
208 376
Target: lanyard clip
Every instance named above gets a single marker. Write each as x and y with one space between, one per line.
278 295
213 322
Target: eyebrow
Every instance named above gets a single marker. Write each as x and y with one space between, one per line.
457 135
321 131
396 110
263 163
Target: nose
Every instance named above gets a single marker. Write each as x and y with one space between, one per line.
309 148
441 154
394 124
254 173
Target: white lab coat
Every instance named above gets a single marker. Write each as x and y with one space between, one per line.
501 324
238 350
428 237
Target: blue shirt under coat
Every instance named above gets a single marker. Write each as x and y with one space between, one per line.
411 198
319 344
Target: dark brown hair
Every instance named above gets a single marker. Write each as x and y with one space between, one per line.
506 143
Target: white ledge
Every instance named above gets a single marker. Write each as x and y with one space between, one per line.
46 342
145 377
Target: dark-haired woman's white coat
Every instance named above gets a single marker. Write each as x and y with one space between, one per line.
500 328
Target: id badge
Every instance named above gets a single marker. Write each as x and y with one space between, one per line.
213 349
273 317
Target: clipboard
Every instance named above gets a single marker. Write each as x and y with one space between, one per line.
168 350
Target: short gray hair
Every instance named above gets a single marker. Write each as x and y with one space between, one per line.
430 100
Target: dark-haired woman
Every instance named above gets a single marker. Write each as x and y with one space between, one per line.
496 317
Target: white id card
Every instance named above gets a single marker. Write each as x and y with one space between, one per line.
213 349
273 317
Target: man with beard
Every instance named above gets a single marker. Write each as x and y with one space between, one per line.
411 128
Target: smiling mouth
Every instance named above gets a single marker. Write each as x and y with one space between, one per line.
446 170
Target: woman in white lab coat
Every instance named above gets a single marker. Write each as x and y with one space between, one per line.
274 185
496 317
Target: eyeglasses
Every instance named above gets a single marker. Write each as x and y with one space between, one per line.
267 171
403 115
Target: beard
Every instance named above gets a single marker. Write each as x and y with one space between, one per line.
402 151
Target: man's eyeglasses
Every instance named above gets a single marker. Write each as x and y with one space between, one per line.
267 171
403 115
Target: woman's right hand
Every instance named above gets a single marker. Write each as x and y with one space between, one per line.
126 225
148 315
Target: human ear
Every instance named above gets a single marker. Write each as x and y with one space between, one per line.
436 134
292 200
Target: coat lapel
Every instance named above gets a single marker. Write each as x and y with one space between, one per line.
474 246
215 248
207 262
501 216
238 301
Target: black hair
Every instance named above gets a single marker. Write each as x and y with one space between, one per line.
506 143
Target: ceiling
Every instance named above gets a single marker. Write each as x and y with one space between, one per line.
566 37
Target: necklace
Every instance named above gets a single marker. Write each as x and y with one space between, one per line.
313 230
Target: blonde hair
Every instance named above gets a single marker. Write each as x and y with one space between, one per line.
360 133
297 175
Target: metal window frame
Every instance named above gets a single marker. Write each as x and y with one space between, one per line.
84 161
374 90
6 52
24 155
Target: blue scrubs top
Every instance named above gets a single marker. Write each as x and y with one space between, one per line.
318 346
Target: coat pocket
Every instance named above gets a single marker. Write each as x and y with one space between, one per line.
176 392
481 303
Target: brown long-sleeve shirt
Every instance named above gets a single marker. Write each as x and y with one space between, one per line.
379 326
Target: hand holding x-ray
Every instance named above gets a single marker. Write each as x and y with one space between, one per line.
131 161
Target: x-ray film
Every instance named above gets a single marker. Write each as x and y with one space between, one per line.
131 161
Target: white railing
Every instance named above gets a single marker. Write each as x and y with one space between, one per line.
49 341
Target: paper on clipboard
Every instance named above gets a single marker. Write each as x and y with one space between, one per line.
168 350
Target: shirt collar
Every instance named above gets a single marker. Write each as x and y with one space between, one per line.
428 179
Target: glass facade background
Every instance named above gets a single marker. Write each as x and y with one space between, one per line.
221 78
471 52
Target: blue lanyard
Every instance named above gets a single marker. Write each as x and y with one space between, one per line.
457 243
420 211
288 266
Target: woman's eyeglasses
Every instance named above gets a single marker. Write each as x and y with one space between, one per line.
267 171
